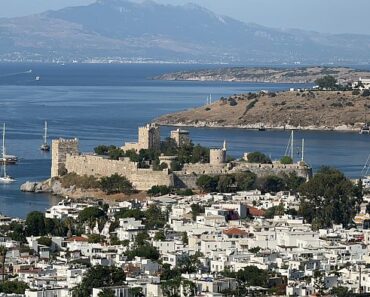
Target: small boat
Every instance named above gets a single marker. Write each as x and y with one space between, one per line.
365 129
37 78
45 146
262 128
5 178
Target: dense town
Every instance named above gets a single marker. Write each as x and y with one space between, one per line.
247 243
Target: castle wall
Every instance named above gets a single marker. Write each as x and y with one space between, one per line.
142 179
59 150
188 176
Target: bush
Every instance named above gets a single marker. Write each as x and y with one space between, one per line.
159 191
257 157
327 82
271 183
186 192
251 105
286 160
116 184
356 92
82 182
44 241
90 214
207 183
13 287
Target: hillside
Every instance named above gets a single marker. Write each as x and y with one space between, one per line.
267 75
119 30
311 110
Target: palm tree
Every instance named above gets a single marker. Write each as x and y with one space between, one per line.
3 251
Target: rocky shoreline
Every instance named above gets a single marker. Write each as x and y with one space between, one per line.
308 110
257 126
301 75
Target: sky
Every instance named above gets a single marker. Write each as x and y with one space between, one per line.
327 16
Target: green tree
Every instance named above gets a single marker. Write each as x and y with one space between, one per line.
130 213
286 160
245 180
207 183
171 287
271 183
258 157
274 211
196 209
226 183
154 218
13 287
184 238
159 190
35 224
106 292
116 153
329 197
99 277
43 240
188 288
91 214
116 184
160 236
103 149
341 292
327 82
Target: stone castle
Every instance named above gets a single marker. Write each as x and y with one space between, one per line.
66 158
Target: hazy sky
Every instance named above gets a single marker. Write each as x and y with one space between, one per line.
333 16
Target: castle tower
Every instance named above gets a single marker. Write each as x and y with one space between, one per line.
181 137
149 137
60 149
218 156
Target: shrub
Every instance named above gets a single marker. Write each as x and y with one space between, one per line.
116 184
44 241
258 157
159 190
83 182
356 92
207 183
91 213
251 105
286 160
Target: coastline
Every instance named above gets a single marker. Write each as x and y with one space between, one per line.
257 126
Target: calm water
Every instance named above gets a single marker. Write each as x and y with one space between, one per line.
104 104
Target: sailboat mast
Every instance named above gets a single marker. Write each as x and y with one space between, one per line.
4 156
302 149
46 131
3 142
292 147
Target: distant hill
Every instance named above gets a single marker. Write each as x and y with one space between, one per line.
123 29
267 75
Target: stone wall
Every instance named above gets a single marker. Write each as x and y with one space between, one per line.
59 150
142 179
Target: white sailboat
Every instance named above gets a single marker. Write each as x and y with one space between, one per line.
5 178
45 146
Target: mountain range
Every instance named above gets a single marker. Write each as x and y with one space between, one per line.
120 29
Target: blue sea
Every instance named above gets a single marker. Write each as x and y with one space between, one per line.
105 103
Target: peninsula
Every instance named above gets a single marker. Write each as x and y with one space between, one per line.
267 75
295 109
